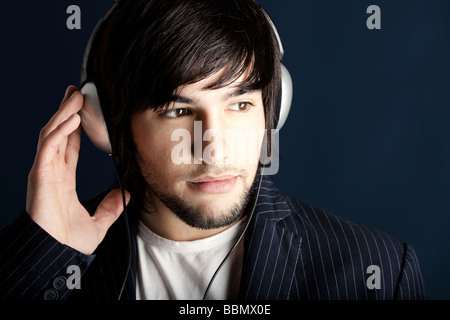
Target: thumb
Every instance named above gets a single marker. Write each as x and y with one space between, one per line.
109 210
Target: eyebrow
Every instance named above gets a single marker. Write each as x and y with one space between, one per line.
232 94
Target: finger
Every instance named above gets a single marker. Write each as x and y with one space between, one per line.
73 148
50 146
70 89
71 106
109 210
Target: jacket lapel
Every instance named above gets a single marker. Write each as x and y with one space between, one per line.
271 249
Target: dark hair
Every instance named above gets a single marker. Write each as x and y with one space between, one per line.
147 49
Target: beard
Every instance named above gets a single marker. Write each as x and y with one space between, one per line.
192 214
197 218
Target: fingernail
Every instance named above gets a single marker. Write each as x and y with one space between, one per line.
73 93
69 88
67 91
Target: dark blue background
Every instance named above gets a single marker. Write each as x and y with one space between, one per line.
367 137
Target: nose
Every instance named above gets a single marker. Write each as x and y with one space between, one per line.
209 140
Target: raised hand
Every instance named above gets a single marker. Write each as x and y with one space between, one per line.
52 201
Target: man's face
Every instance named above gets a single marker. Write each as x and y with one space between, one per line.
209 189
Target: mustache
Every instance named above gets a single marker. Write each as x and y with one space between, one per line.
214 171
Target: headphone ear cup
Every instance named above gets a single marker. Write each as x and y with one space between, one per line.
92 119
286 96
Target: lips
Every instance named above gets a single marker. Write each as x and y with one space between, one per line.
213 184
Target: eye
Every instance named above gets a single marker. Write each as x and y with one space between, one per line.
176 113
240 106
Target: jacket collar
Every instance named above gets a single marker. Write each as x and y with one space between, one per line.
272 248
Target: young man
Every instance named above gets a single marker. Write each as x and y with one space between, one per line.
160 67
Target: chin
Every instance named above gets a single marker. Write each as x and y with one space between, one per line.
214 207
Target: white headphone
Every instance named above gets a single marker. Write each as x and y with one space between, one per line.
91 114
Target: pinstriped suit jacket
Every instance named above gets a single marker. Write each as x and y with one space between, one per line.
292 251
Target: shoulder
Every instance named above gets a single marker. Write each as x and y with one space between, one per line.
317 225
338 257
322 226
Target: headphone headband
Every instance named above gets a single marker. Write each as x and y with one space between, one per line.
87 50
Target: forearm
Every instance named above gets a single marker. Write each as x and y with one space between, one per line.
31 260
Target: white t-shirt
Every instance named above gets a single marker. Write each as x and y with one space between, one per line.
182 270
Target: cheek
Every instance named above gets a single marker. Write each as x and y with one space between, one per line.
154 145
244 143
155 152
